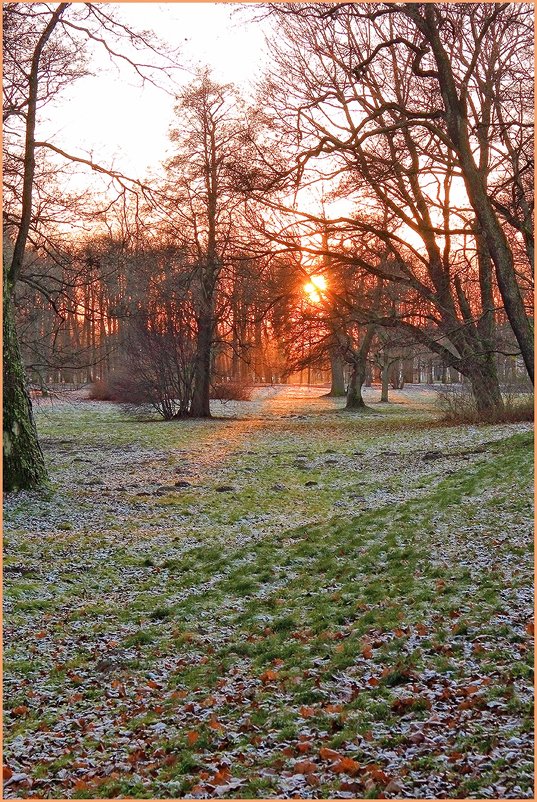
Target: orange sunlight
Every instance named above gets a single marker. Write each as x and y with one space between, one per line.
314 287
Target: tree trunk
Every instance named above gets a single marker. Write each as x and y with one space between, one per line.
356 381
337 388
24 465
200 406
385 379
485 387
408 370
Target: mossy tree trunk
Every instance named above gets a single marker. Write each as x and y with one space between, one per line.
359 371
24 466
486 390
337 387
356 381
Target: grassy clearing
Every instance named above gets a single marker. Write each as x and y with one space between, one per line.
365 634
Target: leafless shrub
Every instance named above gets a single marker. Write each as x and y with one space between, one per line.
231 391
458 405
100 391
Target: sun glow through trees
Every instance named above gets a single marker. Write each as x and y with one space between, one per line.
314 288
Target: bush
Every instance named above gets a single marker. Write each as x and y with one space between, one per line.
122 387
100 391
457 403
231 391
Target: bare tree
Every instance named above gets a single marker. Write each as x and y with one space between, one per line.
353 104
205 205
44 50
24 465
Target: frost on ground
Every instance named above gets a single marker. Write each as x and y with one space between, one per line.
288 601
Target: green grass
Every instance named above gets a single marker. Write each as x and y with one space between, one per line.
260 606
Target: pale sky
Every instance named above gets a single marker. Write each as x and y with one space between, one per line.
112 117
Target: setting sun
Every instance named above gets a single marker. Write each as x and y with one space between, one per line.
312 288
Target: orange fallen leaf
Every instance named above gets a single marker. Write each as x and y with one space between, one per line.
20 710
304 767
329 754
421 629
221 776
307 712
333 708
530 628
346 766
377 774
471 689
367 652
269 676
303 747
192 736
468 703
7 773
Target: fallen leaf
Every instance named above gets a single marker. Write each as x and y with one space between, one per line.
304 767
346 766
333 708
269 676
421 629
20 710
303 747
329 754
